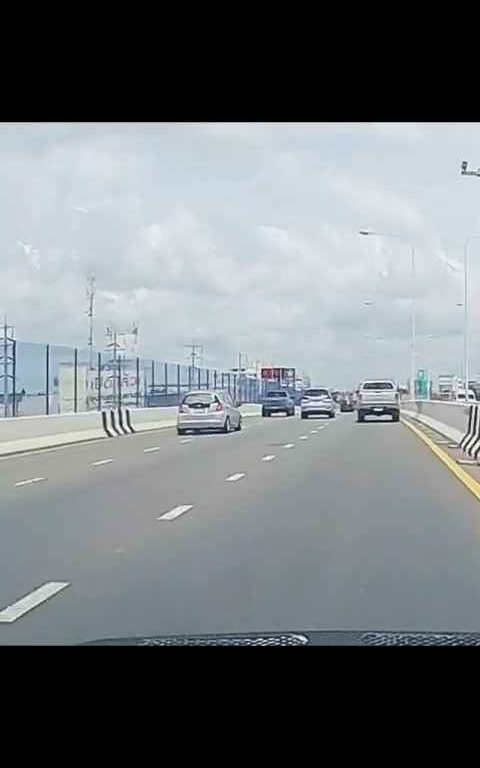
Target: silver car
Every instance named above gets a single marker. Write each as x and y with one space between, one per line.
208 409
317 402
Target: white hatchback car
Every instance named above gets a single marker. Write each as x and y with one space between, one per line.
207 409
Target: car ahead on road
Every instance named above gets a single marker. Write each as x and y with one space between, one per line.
347 403
205 409
317 402
460 397
377 398
278 401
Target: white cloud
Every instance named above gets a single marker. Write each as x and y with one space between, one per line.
378 205
404 131
244 236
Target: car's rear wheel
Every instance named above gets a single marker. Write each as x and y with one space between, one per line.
239 425
331 415
303 415
180 431
360 416
395 417
226 426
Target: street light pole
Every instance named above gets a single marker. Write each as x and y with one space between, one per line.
466 355
413 305
466 372
466 319
414 325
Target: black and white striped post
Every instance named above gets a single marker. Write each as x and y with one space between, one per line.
470 442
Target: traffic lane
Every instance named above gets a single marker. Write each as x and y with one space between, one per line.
74 459
294 546
48 529
314 547
73 465
76 489
92 537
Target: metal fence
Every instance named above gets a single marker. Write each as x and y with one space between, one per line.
52 379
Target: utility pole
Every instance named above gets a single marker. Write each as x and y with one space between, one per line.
7 343
112 334
240 368
196 351
90 313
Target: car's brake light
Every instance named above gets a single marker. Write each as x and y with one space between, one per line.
181 408
219 407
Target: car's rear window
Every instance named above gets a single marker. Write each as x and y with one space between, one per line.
277 394
378 385
204 398
317 393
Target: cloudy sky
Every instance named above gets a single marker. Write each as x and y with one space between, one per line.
243 236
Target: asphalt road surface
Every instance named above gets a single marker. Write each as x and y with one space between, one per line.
288 525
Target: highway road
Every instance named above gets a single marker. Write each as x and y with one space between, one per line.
288 525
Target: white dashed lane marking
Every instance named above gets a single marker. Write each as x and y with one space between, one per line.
270 457
29 482
313 431
288 445
100 463
188 440
235 477
151 450
303 437
13 612
176 512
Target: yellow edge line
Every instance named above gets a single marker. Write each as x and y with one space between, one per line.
463 476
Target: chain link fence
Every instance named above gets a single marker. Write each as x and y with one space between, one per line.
49 379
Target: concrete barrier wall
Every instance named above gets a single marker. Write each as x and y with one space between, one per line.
453 414
23 427
26 427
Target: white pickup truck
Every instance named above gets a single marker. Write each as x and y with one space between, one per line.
377 398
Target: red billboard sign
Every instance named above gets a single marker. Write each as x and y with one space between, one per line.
268 374
278 374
